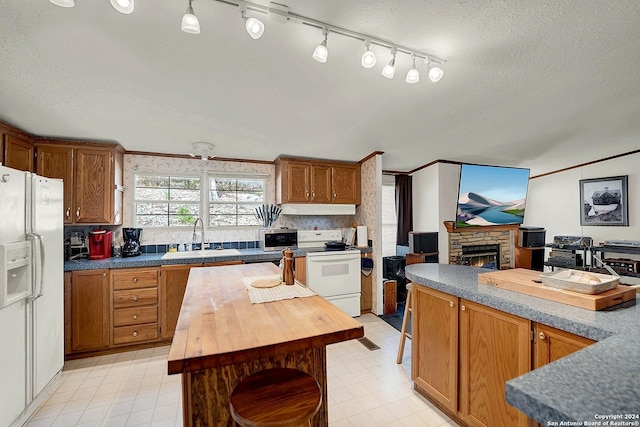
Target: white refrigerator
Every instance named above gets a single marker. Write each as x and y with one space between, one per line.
31 291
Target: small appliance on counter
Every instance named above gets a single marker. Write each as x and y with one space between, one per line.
277 239
131 245
100 244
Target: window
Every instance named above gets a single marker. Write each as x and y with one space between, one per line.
389 217
232 200
166 201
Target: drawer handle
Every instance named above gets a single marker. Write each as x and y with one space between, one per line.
135 280
542 336
135 317
135 333
134 298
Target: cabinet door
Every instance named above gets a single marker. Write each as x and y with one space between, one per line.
434 345
321 184
366 291
345 182
18 153
552 344
94 186
173 283
494 348
57 162
89 310
298 184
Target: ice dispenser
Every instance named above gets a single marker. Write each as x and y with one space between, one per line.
15 282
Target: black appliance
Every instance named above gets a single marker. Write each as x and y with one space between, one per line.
393 269
131 245
531 237
423 242
335 246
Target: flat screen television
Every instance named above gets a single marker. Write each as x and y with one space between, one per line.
491 195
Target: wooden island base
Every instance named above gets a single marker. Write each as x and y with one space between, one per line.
206 393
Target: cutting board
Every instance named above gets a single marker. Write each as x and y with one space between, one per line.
522 281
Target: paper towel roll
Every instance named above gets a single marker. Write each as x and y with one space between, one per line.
362 236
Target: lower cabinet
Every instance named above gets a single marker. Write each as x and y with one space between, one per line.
463 353
87 302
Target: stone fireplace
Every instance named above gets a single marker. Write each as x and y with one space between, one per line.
480 246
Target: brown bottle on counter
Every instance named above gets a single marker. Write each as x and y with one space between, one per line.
288 267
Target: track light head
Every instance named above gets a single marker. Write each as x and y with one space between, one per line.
413 75
254 27
190 23
123 6
321 53
389 70
435 73
63 3
368 57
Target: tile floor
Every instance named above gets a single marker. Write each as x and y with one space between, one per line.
366 388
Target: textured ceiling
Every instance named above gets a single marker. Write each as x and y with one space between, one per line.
542 84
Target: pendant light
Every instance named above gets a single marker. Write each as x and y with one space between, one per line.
190 23
321 53
413 75
389 70
63 3
435 73
123 6
368 57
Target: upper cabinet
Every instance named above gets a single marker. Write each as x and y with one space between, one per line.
92 174
17 152
311 181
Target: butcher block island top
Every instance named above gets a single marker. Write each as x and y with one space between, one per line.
218 325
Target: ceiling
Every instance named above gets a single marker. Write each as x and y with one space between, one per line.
553 82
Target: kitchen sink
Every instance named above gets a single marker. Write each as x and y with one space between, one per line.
201 254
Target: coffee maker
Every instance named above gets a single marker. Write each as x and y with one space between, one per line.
131 245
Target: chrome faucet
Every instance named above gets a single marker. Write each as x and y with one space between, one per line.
195 224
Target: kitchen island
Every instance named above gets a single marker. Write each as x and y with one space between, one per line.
221 337
586 386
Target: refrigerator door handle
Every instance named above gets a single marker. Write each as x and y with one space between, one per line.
38 268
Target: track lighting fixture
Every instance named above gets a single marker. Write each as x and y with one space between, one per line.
321 52
389 70
368 57
281 13
123 6
190 23
63 3
413 75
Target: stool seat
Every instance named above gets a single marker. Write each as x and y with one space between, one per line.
282 397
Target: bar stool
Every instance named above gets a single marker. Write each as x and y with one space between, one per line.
405 321
282 397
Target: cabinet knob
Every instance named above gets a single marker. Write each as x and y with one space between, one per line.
335 194
135 280
463 308
313 195
67 213
135 317
450 303
306 196
541 335
77 213
134 298
104 275
135 333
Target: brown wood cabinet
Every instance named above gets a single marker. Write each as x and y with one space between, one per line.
173 283
87 303
135 305
552 344
494 348
92 174
434 345
310 181
17 152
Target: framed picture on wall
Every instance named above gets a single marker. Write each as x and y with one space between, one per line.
604 201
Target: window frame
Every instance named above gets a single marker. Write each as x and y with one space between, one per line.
238 176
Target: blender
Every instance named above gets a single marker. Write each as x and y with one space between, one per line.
131 245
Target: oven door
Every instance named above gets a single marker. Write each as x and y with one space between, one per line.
333 273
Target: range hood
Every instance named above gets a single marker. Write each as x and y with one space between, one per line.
317 209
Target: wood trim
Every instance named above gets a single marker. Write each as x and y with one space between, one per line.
616 156
375 153
450 226
186 156
450 162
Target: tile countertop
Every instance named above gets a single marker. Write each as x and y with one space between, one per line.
600 380
152 260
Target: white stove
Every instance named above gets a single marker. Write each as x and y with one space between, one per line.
332 274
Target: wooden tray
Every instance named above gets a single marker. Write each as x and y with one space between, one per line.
524 281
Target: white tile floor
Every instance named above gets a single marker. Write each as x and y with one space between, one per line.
366 388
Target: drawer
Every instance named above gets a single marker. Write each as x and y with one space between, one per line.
136 333
135 315
132 278
135 297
